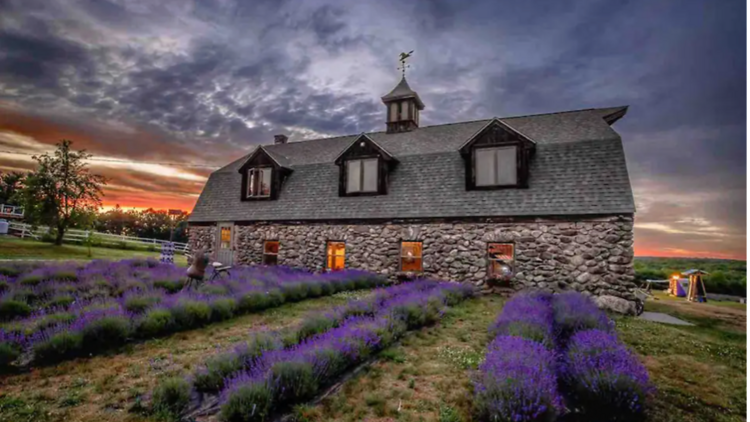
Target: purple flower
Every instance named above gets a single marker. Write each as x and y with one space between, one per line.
517 382
604 380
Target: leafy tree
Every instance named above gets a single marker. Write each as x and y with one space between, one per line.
10 185
61 191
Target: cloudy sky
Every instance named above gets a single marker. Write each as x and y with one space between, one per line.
162 91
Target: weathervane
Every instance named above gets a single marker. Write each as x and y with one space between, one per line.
402 58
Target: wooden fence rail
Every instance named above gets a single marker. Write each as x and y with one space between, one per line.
23 230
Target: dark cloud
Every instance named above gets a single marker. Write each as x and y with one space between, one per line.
206 80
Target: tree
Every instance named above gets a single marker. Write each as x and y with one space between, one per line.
10 186
61 191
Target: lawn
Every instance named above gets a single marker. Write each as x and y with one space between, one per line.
699 371
14 248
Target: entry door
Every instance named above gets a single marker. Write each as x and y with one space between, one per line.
225 244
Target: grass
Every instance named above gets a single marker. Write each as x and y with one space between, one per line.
15 248
108 387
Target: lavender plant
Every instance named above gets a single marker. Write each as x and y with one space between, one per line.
575 312
527 315
602 379
517 382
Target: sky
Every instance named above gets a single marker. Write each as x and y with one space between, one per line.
163 92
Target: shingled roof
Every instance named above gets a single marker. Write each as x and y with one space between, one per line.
579 169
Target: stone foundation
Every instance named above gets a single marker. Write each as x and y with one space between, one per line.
593 256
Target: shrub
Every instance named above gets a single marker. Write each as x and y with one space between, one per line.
315 324
65 275
253 301
213 289
575 312
247 402
4 286
191 313
275 298
10 309
105 333
62 301
155 322
8 354
223 309
10 271
50 320
211 377
293 381
314 289
171 286
139 304
294 292
602 379
30 279
529 316
517 382
326 289
171 397
59 347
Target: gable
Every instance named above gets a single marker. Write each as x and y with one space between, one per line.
496 133
364 146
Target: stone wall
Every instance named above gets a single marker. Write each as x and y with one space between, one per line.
592 255
202 237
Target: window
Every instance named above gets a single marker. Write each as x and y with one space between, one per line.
500 256
411 256
226 238
270 252
362 175
495 166
335 254
259 182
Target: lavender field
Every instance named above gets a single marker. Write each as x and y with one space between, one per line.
51 313
421 351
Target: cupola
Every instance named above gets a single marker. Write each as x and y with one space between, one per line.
402 104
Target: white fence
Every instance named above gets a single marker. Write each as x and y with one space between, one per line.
23 230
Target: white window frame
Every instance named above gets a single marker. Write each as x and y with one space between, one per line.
361 183
250 173
495 176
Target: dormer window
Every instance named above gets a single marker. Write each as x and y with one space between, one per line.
259 182
496 166
364 167
362 176
497 157
263 175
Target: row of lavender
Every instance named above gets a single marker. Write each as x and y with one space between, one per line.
555 355
43 288
275 371
89 326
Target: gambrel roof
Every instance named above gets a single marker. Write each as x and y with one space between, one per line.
578 169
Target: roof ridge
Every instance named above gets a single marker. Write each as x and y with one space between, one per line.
456 123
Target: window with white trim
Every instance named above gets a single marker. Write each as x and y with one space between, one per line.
259 182
496 166
362 175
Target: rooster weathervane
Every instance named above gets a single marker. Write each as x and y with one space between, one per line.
402 58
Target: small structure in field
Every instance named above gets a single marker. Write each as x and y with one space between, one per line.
696 289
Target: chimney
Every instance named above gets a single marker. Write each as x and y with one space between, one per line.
279 139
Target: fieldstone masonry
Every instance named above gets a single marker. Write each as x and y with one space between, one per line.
593 256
